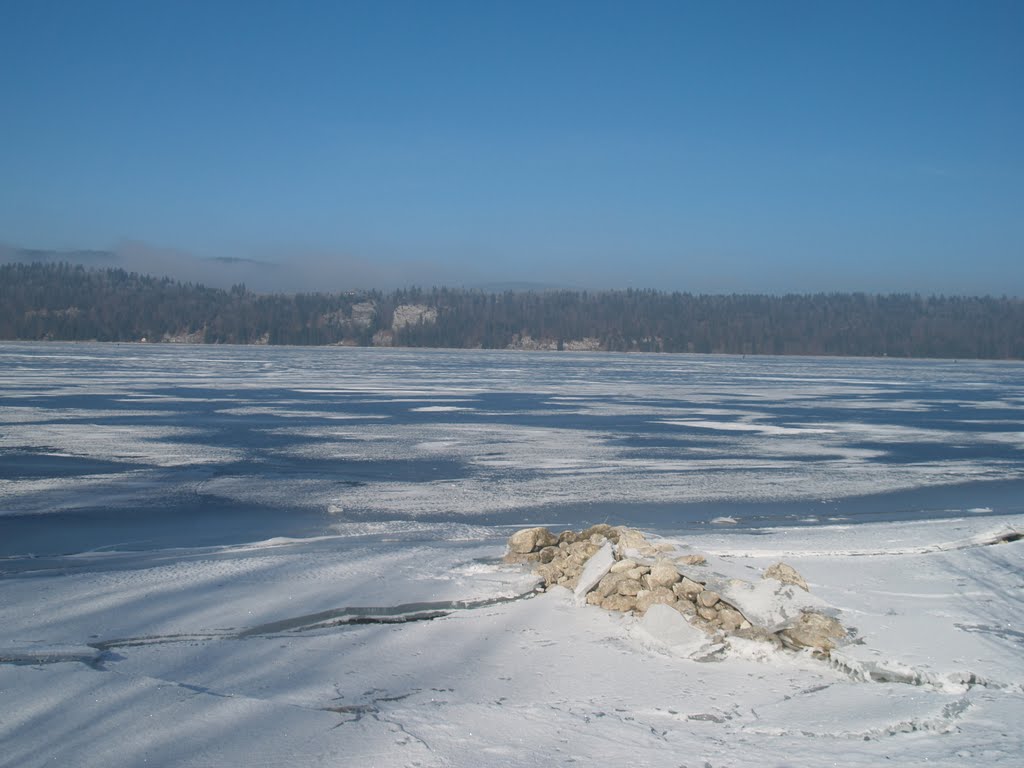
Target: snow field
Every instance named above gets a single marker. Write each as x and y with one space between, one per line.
241 656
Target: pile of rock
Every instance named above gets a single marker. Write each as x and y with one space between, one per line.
618 569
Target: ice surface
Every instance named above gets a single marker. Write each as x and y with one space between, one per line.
628 430
241 655
393 636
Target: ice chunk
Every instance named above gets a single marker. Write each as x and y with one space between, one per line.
597 566
770 603
667 626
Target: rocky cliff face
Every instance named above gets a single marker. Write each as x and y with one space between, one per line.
413 314
363 314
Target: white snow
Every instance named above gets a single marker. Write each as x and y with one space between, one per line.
746 426
441 408
243 655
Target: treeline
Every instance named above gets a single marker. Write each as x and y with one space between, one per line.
64 302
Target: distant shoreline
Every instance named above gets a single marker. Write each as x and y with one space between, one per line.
63 302
396 348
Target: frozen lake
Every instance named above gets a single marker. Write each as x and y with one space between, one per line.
269 556
146 446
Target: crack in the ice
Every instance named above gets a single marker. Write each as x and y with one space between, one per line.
381 719
624 716
203 690
873 672
943 722
338 617
93 659
143 640
397 614
369 708
373 709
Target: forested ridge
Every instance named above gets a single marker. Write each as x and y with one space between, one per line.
43 301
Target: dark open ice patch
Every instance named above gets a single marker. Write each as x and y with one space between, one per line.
909 452
27 464
177 520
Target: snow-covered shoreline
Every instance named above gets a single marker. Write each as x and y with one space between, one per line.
246 655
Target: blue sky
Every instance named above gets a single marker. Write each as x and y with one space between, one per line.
710 147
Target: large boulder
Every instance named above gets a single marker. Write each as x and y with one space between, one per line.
630 587
688 588
710 614
787 574
621 603
548 554
708 598
638 573
601 529
814 630
609 585
550 572
658 596
731 618
758 635
631 540
624 565
530 539
568 537
663 574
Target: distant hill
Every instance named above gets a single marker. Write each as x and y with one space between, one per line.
58 300
84 257
520 286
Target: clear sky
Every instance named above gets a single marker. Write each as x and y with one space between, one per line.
702 146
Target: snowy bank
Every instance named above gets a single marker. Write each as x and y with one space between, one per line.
387 649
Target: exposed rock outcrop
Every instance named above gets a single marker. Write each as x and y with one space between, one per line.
413 314
619 569
184 337
586 344
363 314
527 342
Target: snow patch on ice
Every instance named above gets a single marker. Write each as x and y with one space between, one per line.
736 426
